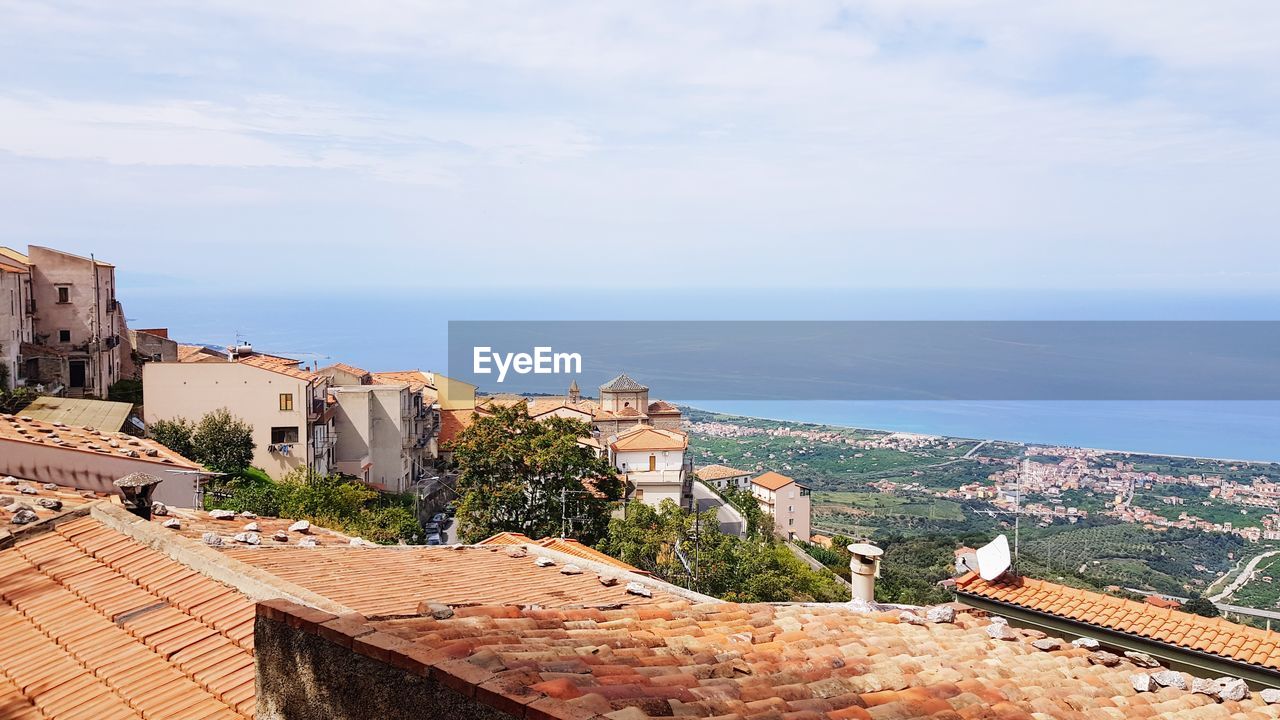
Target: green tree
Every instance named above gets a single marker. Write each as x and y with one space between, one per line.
174 434
517 474
1201 605
128 390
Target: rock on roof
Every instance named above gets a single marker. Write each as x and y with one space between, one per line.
1215 636
718 472
41 500
97 624
393 580
622 383
568 546
747 662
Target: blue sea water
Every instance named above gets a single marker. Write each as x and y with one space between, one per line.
404 329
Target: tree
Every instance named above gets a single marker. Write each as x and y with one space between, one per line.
126 390
174 434
1200 605
524 475
220 441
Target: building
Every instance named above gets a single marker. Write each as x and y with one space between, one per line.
344 374
107 615
75 314
16 307
288 407
653 465
787 501
91 460
383 436
624 403
200 353
723 477
153 345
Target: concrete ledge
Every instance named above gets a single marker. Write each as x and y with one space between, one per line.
255 583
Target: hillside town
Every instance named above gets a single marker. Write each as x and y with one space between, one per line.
129 589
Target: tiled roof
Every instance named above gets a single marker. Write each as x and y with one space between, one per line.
415 379
753 662
98 625
719 472
87 440
543 405
195 523
192 353
14 255
1210 635
662 407
393 580
453 422
772 481
568 546
645 437
284 366
351 370
17 494
101 414
622 383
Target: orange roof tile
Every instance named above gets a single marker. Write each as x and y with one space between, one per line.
718 472
88 440
772 481
97 624
1211 635
452 422
45 500
415 379
192 353
725 660
276 364
393 580
350 370
565 545
645 437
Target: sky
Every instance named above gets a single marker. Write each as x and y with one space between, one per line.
1081 145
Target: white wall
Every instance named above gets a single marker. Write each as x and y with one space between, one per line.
190 390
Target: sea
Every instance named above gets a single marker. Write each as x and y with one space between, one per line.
405 328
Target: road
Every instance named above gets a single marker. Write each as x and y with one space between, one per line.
1245 576
731 521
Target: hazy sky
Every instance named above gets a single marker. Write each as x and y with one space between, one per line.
1078 144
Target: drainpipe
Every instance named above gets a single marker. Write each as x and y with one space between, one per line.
864 568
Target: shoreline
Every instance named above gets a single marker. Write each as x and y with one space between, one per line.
1104 451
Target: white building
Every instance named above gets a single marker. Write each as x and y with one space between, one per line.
787 501
652 462
723 477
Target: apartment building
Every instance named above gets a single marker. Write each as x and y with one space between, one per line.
652 462
787 501
382 435
75 313
15 317
293 422
723 477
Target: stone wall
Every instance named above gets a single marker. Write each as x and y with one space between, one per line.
303 676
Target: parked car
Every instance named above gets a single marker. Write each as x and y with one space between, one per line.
451 509
435 539
440 519
432 528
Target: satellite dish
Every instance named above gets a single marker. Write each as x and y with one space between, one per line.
993 558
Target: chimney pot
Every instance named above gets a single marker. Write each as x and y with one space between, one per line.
137 489
864 568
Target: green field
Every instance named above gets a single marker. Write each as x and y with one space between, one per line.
882 505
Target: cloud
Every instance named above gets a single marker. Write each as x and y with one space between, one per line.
910 143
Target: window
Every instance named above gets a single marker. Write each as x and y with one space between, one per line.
64 294
286 402
791 521
64 336
284 435
791 508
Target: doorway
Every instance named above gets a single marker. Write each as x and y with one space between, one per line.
78 368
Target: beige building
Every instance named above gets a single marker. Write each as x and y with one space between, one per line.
653 464
76 313
624 403
15 317
787 501
293 422
153 345
723 477
381 435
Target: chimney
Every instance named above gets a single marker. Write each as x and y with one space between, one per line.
864 568
137 489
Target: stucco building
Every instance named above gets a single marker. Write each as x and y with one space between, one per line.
787 501
293 422
383 435
15 317
653 463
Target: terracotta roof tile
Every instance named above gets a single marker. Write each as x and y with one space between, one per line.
645 437
415 379
453 422
17 494
89 633
565 545
772 481
1212 635
83 439
276 364
724 660
393 580
718 472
